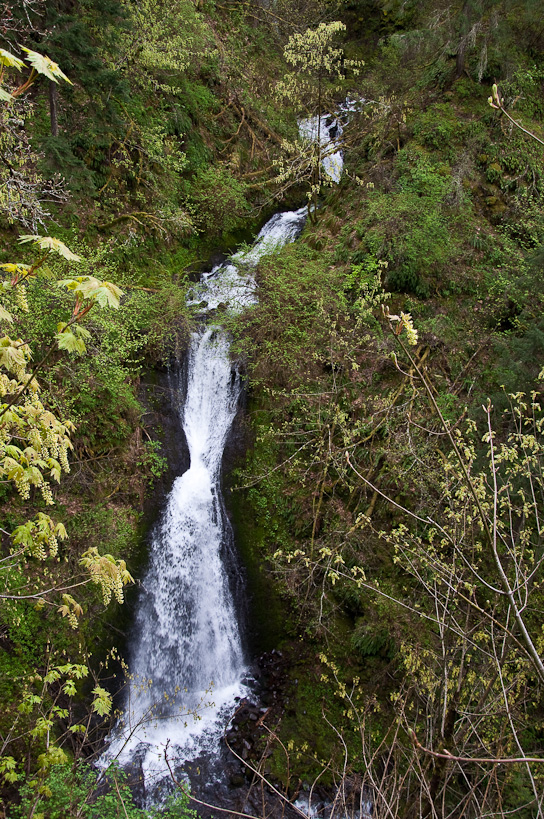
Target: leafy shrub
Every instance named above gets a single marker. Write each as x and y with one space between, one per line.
299 293
411 228
368 641
218 199
406 279
437 127
65 792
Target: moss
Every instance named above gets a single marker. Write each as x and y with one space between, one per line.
268 624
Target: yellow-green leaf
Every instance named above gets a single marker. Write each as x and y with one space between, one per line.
15 268
69 342
4 315
51 244
7 58
102 701
45 65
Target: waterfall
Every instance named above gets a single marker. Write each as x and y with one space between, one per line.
329 131
186 659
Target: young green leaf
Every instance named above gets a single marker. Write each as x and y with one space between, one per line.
44 65
4 315
69 342
102 701
51 244
7 58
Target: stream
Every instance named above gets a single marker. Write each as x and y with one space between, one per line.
188 664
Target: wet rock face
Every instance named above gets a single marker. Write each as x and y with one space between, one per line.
162 394
248 726
234 779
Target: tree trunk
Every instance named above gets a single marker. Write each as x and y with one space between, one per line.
464 28
53 98
460 59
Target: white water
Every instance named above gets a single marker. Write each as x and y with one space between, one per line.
328 131
336 809
187 661
232 283
315 129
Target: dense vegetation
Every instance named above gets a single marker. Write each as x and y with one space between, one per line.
392 489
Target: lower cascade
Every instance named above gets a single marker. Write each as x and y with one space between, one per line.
187 663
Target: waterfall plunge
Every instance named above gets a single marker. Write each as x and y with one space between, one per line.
186 658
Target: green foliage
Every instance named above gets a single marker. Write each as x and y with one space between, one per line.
437 128
364 278
156 135
162 40
152 461
370 643
524 91
288 282
40 64
421 249
25 194
319 68
64 790
33 439
312 55
216 197
146 326
33 450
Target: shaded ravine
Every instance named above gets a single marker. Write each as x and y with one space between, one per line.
186 657
187 661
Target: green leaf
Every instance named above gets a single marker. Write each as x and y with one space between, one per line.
106 294
33 475
11 267
109 295
12 469
82 332
56 474
7 769
12 451
102 701
7 58
5 96
22 535
69 342
27 705
53 756
4 315
11 357
51 244
44 65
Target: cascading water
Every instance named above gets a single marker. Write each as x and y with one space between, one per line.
187 660
327 131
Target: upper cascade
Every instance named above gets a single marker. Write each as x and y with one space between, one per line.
325 130
232 283
328 130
